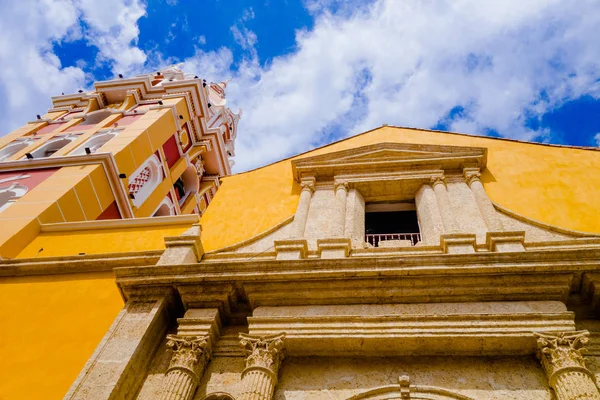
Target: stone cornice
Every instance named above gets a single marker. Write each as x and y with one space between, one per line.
77 264
389 157
531 275
411 334
122 223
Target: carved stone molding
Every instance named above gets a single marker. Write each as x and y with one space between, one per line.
561 355
308 184
437 180
472 175
190 357
264 357
340 185
265 352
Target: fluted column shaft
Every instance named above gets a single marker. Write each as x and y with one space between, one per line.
265 354
562 359
441 195
301 216
341 196
190 356
486 208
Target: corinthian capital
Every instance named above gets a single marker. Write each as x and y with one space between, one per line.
263 352
562 351
189 352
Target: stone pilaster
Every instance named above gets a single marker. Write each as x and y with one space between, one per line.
486 208
561 355
264 356
190 356
308 187
441 194
341 196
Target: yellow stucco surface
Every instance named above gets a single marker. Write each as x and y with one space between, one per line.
101 241
556 185
50 327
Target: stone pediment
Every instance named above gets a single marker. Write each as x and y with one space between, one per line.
389 157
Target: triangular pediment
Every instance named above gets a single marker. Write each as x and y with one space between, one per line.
390 156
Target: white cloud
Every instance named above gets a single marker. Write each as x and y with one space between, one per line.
113 30
410 63
32 73
597 139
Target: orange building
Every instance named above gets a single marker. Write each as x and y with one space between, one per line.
152 145
396 264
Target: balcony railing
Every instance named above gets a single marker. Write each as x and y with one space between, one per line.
375 238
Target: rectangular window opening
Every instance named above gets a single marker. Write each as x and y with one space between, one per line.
391 225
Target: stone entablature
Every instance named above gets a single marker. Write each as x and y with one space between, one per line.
472 329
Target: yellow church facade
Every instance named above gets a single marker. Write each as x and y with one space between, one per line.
396 264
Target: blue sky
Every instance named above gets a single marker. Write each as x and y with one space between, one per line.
310 72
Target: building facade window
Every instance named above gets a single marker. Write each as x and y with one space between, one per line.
165 208
391 224
13 148
52 146
94 143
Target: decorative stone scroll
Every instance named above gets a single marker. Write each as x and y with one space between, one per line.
264 357
190 357
561 355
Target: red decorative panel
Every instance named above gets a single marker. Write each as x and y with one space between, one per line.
51 128
77 127
30 177
128 120
139 181
171 151
111 212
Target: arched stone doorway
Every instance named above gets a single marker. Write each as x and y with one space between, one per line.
405 391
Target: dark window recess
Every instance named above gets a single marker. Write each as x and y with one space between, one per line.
391 225
179 188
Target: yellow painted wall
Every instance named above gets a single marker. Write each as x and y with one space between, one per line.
101 241
555 185
50 327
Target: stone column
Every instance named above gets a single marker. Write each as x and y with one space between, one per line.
308 187
561 355
190 356
488 212
265 354
441 194
341 195
430 221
